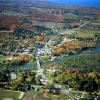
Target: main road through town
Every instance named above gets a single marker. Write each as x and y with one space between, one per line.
57 86
41 71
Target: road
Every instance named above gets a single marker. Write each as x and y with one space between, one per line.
40 69
70 31
41 72
57 86
50 41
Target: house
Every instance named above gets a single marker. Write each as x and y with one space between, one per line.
52 90
13 76
55 90
43 81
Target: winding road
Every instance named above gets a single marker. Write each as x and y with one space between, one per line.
56 86
43 75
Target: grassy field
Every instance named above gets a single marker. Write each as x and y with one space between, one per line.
44 58
50 75
9 94
85 33
82 62
42 96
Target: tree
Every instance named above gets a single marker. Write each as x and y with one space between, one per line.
37 79
51 86
14 84
28 79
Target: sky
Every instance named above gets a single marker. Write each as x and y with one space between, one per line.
77 2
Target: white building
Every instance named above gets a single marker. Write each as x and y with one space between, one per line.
44 51
13 76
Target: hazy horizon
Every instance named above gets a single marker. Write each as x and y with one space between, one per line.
75 2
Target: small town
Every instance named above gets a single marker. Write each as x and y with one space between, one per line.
49 51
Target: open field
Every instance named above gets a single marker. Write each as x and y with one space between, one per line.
85 33
82 62
9 94
41 96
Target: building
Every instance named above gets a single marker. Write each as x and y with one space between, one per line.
13 76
